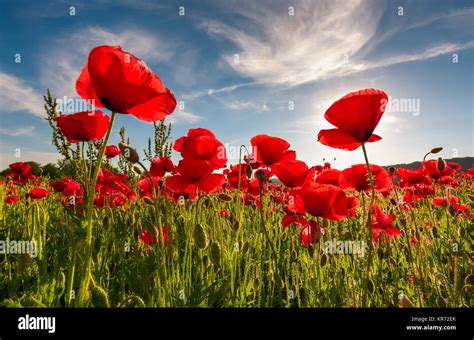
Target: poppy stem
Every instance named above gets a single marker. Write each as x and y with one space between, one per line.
155 193
372 195
84 286
265 231
368 224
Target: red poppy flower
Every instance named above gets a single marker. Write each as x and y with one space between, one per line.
146 189
418 192
412 177
254 164
112 151
294 219
382 224
147 238
84 126
224 213
233 176
160 166
355 117
320 200
451 201
21 172
454 165
12 199
431 168
21 169
293 173
271 150
352 203
444 201
201 144
67 187
356 177
112 189
120 82
195 174
328 176
38 193
310 233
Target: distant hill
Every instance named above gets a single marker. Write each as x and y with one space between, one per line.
466 163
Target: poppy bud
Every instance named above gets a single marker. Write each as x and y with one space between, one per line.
441 165
200 237
260 175
469 280
137 169
391 170
216 254
148 200
129 153
436 150
99 297
406 303
245 247
225 197
248 171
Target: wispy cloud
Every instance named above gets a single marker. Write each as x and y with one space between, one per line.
62 63
183 117
277 49
61 8
450 18
431 52
274 47
16 95
15 132
246 105
213 91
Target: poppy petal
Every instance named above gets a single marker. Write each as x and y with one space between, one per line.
211 183
338 139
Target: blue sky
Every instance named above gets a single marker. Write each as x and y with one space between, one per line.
290 69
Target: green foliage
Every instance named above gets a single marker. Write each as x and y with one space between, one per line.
71 164
207 263
161 145
125 166
59 140
52 171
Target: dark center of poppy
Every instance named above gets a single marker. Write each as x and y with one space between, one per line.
368 133
106 102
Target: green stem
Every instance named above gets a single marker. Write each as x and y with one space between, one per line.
265 231
84 286
368 224
372 196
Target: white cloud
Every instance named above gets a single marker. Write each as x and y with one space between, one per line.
63 62
246 105
184 117
213 91
325 39
453 18
26 156
17 95
26 131
312 45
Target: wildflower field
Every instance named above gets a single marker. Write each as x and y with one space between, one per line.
269 231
